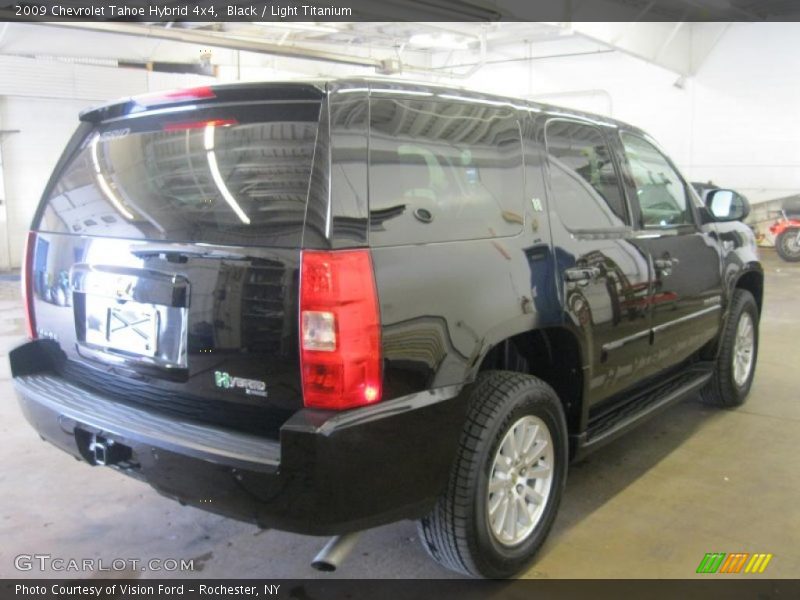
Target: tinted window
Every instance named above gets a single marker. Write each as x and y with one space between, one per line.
583 179
443 171
218 177
660 191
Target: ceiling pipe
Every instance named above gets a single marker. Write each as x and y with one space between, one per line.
501 61
210 39
204 38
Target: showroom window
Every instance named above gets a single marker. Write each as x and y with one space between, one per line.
583 178
443 171
661 193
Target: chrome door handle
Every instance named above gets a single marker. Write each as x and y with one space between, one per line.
582 274
665 265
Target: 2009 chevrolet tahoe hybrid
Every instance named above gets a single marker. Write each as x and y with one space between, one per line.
322 307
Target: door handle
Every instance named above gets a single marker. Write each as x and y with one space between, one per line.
582 274
662 263
665 264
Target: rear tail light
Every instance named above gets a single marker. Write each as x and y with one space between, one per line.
27 285
339 330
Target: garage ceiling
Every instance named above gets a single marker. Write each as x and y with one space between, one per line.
439 50
374 45
452 49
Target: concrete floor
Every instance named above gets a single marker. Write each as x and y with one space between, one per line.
651 504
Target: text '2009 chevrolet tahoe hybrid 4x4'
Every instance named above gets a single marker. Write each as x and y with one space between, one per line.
324 307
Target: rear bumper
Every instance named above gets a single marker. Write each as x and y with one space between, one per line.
330 473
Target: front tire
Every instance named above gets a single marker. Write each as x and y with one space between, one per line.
507 480
787 245
736 360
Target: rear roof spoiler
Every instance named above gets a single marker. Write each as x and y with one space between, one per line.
204 96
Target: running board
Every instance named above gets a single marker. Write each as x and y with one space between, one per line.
641 406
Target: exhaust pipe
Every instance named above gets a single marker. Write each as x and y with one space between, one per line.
335 551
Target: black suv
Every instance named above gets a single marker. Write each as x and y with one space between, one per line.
323 307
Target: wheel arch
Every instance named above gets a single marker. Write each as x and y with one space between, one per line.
751 280
553 354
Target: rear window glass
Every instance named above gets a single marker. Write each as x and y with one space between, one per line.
442 171
227 176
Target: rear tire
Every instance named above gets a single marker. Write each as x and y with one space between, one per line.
504 446
787 246
734 371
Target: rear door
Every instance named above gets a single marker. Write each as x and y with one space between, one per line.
687 288
604 273
168 248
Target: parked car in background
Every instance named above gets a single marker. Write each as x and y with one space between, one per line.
323 307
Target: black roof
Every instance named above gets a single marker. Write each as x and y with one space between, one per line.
315 89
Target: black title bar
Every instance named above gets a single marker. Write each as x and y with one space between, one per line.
711 588
165 11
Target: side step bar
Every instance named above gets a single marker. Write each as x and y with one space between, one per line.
641 406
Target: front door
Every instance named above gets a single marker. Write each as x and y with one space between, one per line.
686 299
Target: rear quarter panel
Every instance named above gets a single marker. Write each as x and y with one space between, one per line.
444 305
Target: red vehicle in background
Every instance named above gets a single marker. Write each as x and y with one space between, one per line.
787 231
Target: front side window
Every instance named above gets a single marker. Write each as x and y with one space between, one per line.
661 193
583 180
443 171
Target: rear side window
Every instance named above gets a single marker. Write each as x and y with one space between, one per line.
227 176
583 179
443 171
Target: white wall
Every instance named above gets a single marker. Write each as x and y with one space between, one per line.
735 122
42 100
746 120
28 156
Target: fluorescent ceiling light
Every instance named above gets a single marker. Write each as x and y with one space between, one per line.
295 26
439 41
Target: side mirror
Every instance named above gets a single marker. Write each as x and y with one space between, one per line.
727 205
